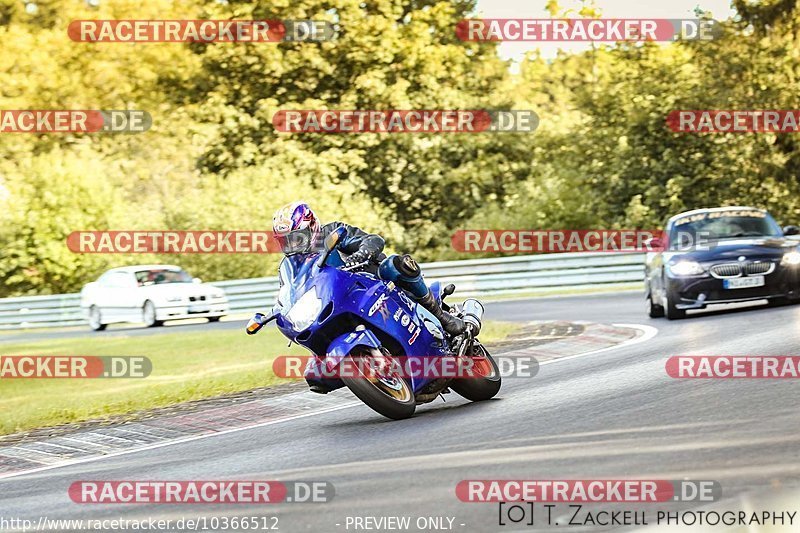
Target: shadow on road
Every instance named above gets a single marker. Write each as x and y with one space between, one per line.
424 412
744 309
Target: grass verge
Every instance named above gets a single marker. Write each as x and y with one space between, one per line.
185 367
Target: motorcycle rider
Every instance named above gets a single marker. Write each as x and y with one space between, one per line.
298 230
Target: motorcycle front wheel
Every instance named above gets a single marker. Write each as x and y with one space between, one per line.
389 395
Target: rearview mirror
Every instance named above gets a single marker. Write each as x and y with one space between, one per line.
334 238
791 230
258 321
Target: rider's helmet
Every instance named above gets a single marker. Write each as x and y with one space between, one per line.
296 228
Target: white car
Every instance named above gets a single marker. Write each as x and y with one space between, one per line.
150 294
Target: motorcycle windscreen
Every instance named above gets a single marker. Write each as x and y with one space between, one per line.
294 272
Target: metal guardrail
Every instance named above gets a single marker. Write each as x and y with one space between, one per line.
473 277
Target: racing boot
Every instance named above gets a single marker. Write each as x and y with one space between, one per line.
453 325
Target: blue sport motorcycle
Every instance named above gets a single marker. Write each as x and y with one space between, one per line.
355 320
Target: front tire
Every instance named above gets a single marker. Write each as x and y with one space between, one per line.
214 318
392 397
653 310
96 319
672 312
149 315
486 384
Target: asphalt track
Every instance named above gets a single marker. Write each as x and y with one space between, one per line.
608 415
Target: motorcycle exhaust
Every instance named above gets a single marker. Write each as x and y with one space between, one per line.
472 314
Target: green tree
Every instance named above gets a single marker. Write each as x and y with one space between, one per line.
389 54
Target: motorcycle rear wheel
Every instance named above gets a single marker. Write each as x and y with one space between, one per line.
390 396
486 384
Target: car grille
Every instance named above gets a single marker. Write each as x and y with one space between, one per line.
728 270
197 298
760 267
734 270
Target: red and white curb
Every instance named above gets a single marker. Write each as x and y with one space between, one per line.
89 445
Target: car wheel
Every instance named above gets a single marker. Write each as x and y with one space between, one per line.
653 310
672 312
96 319
149 315
214 318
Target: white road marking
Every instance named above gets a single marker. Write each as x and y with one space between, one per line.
171 442
649 333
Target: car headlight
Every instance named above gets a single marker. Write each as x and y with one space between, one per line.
791 258
305 310
174 298
218 295
686 268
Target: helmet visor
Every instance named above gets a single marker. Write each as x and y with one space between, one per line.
298 241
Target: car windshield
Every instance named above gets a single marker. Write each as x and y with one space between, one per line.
160 276
718 225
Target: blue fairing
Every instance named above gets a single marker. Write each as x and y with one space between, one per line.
436 290
346 310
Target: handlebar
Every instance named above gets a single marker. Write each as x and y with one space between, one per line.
350 268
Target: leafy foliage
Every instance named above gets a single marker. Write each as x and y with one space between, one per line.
601 157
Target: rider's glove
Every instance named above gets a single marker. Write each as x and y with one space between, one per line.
357 258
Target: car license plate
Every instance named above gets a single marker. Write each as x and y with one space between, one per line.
199 309
743 283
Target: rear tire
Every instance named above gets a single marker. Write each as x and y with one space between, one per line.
375 393
96 319
214 318
149 315
479 389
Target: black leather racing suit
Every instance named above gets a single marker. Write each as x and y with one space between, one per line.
358 240
404 272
